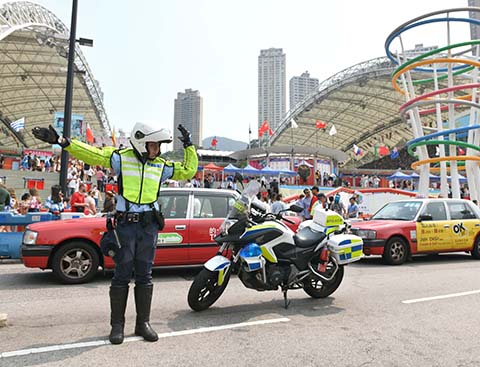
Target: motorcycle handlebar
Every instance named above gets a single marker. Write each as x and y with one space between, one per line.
262 218
288 220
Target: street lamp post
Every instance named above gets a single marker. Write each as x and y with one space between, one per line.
67 115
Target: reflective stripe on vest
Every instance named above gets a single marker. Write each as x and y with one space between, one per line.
138 188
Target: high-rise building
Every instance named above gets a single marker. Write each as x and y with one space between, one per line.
272 91
474 29
419 49
301 87
189 113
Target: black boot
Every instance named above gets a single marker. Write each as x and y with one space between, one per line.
143 301
118 304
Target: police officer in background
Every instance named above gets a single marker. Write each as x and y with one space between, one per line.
140 171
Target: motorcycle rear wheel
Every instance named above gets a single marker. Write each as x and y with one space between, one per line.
317 288
205 290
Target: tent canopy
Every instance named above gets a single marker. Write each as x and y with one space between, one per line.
249 170
399 176
269 171
287 172
212 167
231 169
303 162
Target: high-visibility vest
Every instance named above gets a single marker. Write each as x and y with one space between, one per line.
139 183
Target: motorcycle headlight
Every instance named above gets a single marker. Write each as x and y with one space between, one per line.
226 225
29 237
366 234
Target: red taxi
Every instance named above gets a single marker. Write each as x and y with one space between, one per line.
71 247
421 226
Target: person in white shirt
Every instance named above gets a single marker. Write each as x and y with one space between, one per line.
90 204
278 205
73 182
96 195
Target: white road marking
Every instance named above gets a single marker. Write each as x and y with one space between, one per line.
426 299
96 343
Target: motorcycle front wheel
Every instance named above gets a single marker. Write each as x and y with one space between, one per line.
317 288
205 290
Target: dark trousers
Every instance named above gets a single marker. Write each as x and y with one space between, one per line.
135 258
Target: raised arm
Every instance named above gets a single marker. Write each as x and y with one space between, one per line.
188 168
82 151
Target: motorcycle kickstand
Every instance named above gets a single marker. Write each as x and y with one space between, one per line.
285 298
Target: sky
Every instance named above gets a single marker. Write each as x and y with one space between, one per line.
146 51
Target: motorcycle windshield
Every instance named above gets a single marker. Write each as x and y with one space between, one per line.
241 207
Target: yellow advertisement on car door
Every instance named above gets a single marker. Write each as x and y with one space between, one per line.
433 235
445 235
463 233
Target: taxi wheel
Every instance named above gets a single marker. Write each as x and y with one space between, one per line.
476 249
396 251
75 263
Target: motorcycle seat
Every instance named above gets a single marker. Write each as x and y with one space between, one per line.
306 237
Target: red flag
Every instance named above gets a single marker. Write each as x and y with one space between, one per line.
214 142
264 128
383 150
320 124
89 135
461 151
270 131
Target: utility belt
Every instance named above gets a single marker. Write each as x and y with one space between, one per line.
135 217
145 218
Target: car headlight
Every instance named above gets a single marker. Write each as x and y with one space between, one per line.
366 234
29 237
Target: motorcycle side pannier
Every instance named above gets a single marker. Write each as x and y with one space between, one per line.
346 248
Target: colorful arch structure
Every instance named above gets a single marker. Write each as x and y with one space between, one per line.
451 106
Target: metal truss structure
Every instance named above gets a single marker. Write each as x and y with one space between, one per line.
362 105
33 69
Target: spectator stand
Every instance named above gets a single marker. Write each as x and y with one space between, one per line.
34 183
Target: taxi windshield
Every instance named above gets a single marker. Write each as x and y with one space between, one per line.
400 210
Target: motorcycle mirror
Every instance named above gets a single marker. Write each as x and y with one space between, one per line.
295 208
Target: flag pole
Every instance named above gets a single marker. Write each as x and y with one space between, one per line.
291 128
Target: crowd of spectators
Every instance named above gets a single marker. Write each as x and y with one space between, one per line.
79 199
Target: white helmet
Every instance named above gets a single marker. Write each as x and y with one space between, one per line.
143 133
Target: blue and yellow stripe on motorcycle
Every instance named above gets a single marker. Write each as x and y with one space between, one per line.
267 255
330 229
221 275
258 228
352 252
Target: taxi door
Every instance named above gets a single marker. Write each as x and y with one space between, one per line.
434 235
173 240
464 225
209 212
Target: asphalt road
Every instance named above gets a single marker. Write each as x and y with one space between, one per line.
365 323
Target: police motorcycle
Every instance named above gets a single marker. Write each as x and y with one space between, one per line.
267 255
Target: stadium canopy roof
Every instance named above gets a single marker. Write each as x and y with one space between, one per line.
362 104
33 69
289 151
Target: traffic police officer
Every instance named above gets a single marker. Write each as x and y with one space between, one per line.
140 171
